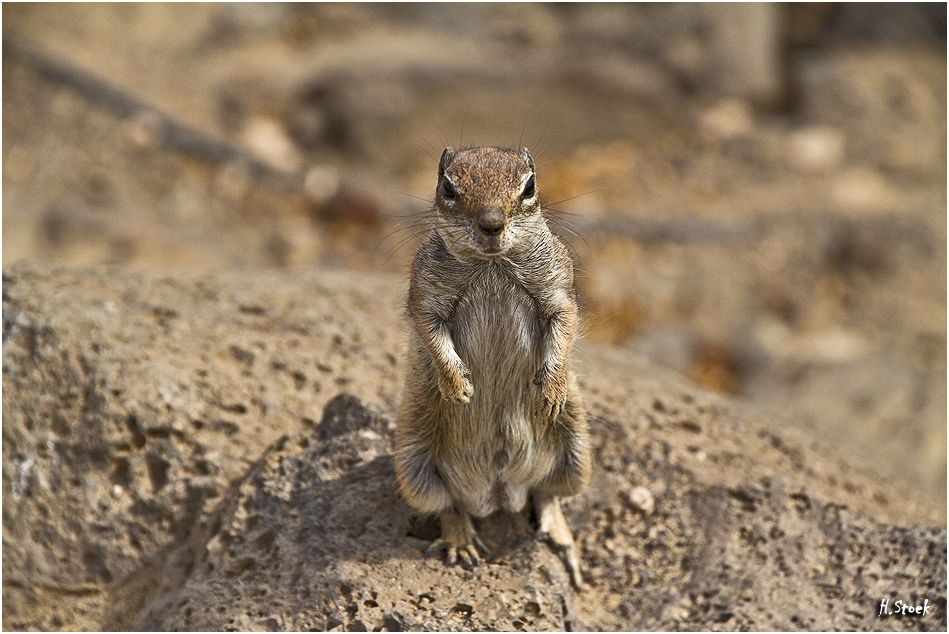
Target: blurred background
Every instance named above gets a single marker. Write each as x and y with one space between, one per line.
755 194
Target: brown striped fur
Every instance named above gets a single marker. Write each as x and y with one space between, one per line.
491 414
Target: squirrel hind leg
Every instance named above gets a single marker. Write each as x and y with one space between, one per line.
420 482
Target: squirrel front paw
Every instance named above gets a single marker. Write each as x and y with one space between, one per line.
456 387
551 393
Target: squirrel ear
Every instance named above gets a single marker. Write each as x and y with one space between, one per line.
447 155
527 158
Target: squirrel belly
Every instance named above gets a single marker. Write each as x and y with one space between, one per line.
499 457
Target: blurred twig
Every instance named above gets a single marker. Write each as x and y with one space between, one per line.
168 131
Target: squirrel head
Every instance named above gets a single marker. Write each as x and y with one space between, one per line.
486 201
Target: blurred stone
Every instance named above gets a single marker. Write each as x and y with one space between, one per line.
267 139
642 499
321 184
726 120
816 149
862 190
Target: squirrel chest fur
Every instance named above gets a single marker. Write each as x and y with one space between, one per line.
490 414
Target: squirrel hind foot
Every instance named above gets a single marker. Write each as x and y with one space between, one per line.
458 539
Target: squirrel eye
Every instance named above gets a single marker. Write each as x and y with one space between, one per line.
448 190
528 189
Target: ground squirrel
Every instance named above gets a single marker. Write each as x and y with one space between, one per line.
491 413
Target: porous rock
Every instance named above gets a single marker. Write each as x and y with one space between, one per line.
163 468
315 536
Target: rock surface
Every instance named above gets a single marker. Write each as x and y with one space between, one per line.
166 465
791 255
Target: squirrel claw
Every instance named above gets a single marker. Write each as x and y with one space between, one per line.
468 553
547 409
469 557
459 541
551 394
459 391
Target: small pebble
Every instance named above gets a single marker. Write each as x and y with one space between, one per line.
642 499
816 149
321 184
269 141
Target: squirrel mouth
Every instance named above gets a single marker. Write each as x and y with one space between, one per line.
490 247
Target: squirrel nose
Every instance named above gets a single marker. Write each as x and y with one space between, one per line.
490 221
